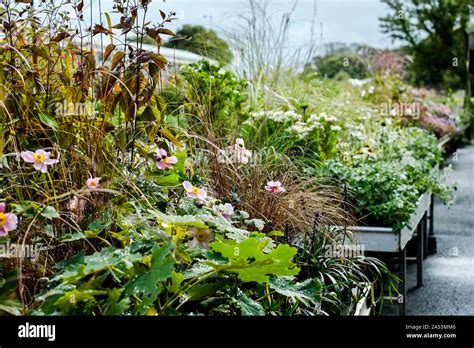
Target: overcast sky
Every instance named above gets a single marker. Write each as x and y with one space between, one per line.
348 21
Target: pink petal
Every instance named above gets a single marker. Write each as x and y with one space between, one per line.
39 166
28 156
43 153
161 165
187 186
44 169
2 207
3 232
51 161
12 222
193 244
173 159
202 194
204 245
162 152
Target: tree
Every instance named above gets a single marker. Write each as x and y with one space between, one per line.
339 65
197 39
434 32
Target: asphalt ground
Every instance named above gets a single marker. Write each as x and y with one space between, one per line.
449 274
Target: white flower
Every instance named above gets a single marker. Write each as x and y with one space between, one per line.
357 82
391 137
408 160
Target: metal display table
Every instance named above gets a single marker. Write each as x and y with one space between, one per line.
389 240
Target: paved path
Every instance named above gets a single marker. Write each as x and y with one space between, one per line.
449 275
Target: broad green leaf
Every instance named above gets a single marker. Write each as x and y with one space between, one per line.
197 270
251 263
146 285
50 213
308 290
249 307
185 220
172 179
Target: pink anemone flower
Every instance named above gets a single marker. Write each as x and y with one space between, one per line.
8 222
165 161
193 191
228 210
274 187
92 183
39 158
201 238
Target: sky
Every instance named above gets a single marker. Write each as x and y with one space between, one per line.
347 21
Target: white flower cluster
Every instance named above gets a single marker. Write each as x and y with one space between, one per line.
277 115
302 129
314 121
322 117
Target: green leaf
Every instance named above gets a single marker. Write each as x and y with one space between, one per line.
172 179
48 121
147 284
150 113
185 220
50 213
70 237
256 223
276 234
176 280
251 263
249 306
201 291
308 290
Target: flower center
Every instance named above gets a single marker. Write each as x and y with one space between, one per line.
167 160
201 236
39 157
3 219
195 190
93 184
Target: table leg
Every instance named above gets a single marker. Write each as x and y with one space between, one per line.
420 231
403 282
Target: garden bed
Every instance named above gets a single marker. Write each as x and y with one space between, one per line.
386 239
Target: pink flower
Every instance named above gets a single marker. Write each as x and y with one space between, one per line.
228 210
92 183
8 222
165 162
40 159
238 153
193 191
201 239
274 187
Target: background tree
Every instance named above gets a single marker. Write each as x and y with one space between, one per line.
206 42
434 32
